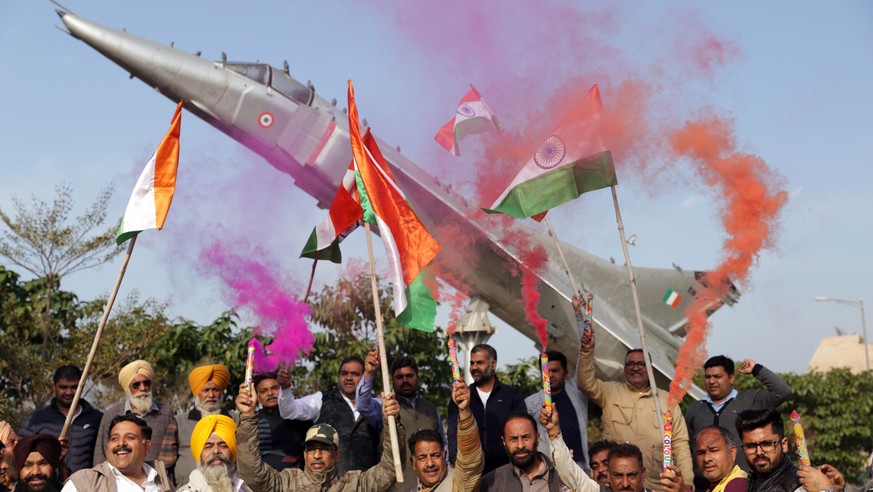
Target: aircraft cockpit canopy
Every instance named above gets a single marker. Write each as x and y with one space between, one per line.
276 79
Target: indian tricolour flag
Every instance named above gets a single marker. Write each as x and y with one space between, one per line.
672 298
409 247
153 193
473 116
344 216
571 161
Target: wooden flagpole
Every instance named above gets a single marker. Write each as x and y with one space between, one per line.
109 302
383 359
640 328
311 276
563 259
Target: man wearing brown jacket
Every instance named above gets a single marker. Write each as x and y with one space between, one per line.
321 453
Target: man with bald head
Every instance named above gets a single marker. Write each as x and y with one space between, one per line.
207 384
38 461
213 445
137 379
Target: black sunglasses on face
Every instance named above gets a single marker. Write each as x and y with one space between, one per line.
136 385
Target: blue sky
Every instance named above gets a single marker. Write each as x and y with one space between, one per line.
797 89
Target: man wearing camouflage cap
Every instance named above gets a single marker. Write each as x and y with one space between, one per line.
321 453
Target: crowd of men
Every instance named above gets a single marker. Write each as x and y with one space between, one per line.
337 439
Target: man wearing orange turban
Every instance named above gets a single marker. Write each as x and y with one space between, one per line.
207 385
213 445
138 379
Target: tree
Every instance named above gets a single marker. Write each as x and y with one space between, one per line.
43 239
345 315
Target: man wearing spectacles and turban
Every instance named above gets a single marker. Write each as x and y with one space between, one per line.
138 379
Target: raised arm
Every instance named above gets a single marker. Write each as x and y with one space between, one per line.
252 470
470 461
777 389
586 380
571 474
293 408
382 476
369 407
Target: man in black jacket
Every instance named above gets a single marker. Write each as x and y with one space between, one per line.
491 402
49 420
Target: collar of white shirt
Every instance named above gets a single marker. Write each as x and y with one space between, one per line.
125 484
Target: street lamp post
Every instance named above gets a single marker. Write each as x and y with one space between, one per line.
860 305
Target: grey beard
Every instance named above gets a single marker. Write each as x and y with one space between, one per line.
141 403
219 477
206 409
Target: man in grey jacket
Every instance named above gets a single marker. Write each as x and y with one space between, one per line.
571 403
723 402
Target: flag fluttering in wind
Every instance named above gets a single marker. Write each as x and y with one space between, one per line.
153 193
473 116
344 216
409 247
570 162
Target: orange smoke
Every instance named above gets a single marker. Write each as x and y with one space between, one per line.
753 196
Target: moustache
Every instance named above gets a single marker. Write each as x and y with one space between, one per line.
432 468
38 476
122 449
218 459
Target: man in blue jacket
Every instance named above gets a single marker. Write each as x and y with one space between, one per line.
82 435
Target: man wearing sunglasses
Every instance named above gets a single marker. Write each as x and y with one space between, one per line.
629 412
137 379
764 444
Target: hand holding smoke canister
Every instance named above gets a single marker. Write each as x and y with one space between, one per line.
799 440
668 440
547 385
453 359
250 365
589 310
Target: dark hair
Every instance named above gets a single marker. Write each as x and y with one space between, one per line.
520 415
426 435
748 420
351 358
262 376
129 417
726 435
720 360
626 450
600 446
492 352
401 362
69 372
554 355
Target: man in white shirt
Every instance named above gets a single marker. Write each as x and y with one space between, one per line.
125 469
359 440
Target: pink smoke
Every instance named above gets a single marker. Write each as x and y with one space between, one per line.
253 287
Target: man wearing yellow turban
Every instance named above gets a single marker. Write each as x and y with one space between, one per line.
207 385
213 445
138 379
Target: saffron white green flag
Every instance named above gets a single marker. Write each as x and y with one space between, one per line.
153 193
344 216
571 161
409 247
473 116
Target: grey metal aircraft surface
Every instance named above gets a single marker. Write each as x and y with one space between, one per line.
302 134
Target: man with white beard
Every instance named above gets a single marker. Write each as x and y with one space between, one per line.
213 444
207 385
137 379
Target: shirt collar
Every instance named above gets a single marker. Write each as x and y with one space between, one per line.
151 474
731 395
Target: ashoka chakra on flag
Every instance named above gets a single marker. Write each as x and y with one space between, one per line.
550 153
465 110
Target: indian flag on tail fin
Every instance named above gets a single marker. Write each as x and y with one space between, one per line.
672 298
570 162
344 217
153 193
409 247
473 116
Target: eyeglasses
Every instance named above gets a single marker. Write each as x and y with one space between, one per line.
630 364
766 446
137 384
